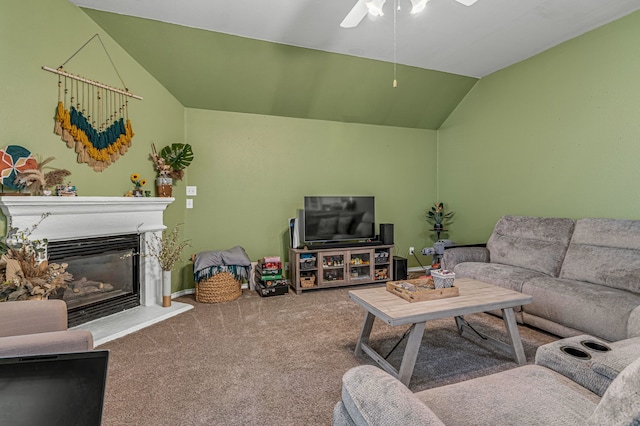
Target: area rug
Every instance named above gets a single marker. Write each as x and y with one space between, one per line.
276 360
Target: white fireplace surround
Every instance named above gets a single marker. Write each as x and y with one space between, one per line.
85 217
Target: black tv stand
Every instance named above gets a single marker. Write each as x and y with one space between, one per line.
330 245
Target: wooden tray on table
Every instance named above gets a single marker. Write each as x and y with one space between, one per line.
424 290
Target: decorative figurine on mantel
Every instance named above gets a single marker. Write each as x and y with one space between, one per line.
67 190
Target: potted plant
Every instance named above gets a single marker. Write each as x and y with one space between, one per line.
167 250
138 183
170 163
438 217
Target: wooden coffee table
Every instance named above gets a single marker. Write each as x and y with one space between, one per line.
475 296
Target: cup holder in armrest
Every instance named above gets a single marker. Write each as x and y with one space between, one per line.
595 346
575 352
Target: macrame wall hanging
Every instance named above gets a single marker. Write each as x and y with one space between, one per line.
91 117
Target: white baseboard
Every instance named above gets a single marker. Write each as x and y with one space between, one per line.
183 292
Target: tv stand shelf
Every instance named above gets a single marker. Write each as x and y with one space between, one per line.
336 267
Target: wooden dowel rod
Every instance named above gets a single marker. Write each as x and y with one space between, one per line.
93 83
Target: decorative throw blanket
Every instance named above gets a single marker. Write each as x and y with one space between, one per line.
209 263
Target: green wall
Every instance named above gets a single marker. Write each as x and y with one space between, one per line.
252 172
555 135
38 33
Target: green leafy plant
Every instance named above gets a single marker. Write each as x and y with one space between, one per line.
437 215
178 155
172 159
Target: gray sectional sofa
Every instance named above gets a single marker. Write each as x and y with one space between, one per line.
584 275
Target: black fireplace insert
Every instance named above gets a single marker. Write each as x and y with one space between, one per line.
106 275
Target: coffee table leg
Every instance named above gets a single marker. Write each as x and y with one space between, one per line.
459 323
512 329
411 353
365 332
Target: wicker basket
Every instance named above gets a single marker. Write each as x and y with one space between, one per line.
307 282
221 287
442 279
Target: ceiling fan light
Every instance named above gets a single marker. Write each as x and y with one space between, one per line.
375 7
418 6
467 2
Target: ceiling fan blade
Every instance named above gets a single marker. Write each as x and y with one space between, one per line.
356 15
418 6
467 2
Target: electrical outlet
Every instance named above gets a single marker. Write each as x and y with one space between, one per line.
192 190
286 266
189 203
411 250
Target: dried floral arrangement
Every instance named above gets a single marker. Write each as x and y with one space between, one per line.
25 271
37 181
172 160
168 248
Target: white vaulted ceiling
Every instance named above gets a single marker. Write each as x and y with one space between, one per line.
447 36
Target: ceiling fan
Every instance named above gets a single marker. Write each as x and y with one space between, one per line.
374 7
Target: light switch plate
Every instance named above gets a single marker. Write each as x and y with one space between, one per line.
192 190
189 203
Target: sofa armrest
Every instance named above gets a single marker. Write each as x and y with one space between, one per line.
455 255
372 397
46 343
32 316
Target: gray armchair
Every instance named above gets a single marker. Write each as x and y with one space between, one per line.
39 327
527 395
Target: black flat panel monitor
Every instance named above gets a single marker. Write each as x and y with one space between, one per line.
334 219
60 389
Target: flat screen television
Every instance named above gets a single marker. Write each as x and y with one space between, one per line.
338 219
63 389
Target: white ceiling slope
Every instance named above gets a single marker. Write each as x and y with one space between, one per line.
447 36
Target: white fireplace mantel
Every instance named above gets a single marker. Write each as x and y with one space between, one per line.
71 218
84 217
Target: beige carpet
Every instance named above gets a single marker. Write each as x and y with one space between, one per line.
275 361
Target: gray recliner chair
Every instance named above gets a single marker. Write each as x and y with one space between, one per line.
528 395
37 327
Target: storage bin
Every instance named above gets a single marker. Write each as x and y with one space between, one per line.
220 287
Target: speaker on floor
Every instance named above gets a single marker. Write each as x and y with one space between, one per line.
399 268
386 233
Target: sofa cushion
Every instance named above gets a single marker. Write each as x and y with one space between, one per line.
528 395
620 404
506 276
606 252
594 309
536 243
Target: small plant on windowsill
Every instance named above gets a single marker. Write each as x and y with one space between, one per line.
25 272
437 216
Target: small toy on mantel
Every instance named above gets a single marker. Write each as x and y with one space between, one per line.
67 190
